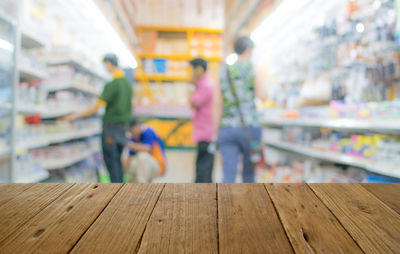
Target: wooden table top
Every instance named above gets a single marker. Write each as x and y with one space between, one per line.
199 218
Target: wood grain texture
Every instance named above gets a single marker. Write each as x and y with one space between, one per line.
374 226
248 222
120 227
26 205
309 224
9 191
184 221
388 193
59 226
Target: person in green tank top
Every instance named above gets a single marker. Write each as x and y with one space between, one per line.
117 100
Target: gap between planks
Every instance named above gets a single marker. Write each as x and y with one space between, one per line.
279 216
152 211
69 251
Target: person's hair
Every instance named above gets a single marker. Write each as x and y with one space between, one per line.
242 44
134 122
111 58
199 62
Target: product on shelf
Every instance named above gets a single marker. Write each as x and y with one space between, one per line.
379 149
285 167
206 45
179 13
357 111
86 171
47 132
65 74
353 51
165 67
65 152
28 170
29 61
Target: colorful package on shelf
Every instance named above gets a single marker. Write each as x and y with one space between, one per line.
32 93
366 110
380 179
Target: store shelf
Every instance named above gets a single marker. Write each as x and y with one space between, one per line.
384 125
31 74
78 64
31 145
58 138
35 178
7 18
160 77
366 164
179 29
29 109
30 41
183 57
85 88
4 154
66 162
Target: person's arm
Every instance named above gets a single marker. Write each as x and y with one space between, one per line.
106 97
139 147
259 85
217 109
89 112
201 96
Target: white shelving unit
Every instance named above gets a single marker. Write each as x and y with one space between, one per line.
7 18
34 178
4 153
66 162
58 138
31 74
85 88
30 40
78 64
349 124
369 165
43 112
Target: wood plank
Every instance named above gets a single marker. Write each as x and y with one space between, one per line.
26 205
309 224
374 226
59 226
9 191
247 221
120 227
388 193
184 221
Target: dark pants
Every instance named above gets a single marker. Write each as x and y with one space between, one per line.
113 141
204 163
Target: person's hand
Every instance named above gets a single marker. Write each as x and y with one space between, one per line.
69 118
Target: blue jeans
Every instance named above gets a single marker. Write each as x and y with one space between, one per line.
113 140
231 143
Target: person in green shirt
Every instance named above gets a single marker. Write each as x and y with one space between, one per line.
117 100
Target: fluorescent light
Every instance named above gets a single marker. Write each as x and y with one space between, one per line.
123 52
360 27
6 45
231 59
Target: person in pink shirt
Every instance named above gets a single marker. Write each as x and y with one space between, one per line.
201 102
